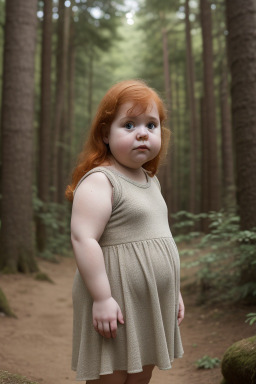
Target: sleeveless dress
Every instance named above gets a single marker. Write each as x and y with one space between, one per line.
142 264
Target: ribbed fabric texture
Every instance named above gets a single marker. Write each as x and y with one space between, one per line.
142 264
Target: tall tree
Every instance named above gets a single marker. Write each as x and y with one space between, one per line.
62 56
227 166
204 165
213 197
71 92
241 21
45 121
169 190
17 232
192 112
228 183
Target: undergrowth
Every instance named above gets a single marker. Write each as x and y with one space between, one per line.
227 261
56 218
207 362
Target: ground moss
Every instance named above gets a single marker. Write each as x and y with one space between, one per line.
239 362
4 305
9 378
41 276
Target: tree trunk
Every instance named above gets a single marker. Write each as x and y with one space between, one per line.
192 112
204 167
241 21
227 143
63 156
71 96
90 86
63 32
178 179
175 126
17 230
45 122
169 166
209 100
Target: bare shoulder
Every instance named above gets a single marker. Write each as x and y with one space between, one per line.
92 206
96 182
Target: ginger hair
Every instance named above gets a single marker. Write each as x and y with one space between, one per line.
95 152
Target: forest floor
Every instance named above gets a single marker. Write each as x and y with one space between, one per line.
37 344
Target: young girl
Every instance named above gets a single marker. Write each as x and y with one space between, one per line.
127 304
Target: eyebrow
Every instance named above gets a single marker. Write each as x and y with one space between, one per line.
135 117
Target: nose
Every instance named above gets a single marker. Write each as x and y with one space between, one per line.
142 133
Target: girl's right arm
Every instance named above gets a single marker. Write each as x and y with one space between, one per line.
92 207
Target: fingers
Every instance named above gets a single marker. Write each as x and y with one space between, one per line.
106 329
103 329
113 328
120 316
181 315
106 315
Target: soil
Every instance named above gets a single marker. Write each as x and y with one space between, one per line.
37 344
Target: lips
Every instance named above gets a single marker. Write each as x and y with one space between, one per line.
142 147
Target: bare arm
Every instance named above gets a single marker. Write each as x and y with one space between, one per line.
91 211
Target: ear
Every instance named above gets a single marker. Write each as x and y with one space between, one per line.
105 136
105 139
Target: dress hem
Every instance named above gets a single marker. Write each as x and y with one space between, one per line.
130 372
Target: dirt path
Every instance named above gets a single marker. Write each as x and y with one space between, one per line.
38 343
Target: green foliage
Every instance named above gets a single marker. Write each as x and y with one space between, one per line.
227 256
10 378
207 362
251 318
56 218
184 224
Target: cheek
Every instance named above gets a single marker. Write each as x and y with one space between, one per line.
157 142
120 145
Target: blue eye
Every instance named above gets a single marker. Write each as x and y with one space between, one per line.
129 125
151 125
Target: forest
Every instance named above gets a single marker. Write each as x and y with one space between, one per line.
58 59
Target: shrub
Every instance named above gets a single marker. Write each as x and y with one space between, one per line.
227 268
207 362
56 218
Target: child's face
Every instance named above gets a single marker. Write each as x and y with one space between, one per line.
135 140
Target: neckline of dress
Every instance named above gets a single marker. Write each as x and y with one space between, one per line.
137 183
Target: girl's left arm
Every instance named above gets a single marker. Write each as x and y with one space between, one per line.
181 311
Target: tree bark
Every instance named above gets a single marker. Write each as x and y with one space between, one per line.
178 176
17 230
169 166
204 167
71 96
90 85
241 21
192 112
43 173
63 32
227 143
63 156
209 100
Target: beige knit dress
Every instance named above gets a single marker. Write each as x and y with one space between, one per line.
142 264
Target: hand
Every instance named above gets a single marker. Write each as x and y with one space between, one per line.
105 314
181 311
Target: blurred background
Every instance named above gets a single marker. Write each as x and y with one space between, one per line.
58 60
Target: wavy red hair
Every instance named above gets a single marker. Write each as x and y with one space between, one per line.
95 151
